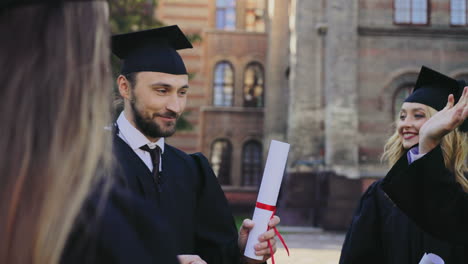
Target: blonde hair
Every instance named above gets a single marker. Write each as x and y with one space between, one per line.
454 148
55 104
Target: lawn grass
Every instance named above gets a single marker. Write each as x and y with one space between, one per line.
240 218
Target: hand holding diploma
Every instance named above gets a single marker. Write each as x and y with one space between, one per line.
266 201
261 248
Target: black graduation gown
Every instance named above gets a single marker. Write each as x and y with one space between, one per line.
381 233
190 198
119 228
428 193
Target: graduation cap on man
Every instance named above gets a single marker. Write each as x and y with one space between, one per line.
151 50
433 88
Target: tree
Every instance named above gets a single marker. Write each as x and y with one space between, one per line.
132 15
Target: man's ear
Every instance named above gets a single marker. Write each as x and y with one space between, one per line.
124 87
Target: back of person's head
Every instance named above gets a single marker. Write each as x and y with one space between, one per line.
55 104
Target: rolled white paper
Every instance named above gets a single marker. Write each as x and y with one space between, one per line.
431 259
268 193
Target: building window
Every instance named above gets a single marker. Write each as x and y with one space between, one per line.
221 160
226 14
255 16
458 12
253 85
251 163
223 84
400 96
411 12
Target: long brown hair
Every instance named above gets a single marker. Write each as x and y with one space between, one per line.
55 95
454 149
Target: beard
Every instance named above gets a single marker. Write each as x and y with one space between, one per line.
149 127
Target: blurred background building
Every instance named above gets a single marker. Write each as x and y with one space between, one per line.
326 76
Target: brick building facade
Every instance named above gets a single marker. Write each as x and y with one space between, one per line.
327 76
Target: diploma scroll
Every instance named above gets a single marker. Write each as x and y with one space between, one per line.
431 259
268 194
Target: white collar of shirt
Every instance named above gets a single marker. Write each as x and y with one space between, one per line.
133 137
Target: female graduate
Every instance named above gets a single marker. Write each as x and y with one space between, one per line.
55 201
380 232
426 189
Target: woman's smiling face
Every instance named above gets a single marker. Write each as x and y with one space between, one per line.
412 117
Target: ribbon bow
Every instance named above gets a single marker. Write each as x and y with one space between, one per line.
273 210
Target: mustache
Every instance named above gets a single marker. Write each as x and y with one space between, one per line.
168 114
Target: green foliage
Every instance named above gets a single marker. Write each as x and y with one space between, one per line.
132 15
128 16
239 219
183 124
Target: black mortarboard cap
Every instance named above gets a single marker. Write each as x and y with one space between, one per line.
151 50
433 88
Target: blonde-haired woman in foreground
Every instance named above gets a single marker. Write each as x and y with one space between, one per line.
380 232
426 189
54 206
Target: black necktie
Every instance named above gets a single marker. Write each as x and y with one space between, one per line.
155 157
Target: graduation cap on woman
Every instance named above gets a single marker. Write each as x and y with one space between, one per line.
433 88
151 50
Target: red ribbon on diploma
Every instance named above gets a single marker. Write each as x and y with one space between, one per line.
273 210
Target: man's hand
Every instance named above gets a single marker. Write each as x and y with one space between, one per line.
261 248
442 123
190 259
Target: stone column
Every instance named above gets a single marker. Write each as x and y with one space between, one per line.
276 85
341 115
305 122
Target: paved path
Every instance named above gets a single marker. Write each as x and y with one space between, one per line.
316 247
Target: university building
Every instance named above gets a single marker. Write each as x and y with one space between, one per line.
326 76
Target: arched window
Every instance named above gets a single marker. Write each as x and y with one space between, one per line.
458 12
414 12
253 85
251 163
223 84
221 160
400 97
226 14
255 16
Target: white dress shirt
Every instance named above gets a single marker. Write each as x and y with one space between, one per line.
135 139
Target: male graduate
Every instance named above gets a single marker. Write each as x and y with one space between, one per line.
154 86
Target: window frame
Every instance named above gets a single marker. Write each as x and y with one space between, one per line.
411 23
262 69
256 178
225 180
254 9
225 9
223 84
409 86
466 15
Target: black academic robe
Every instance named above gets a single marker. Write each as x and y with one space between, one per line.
381 233
428 193
116 227
189 197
